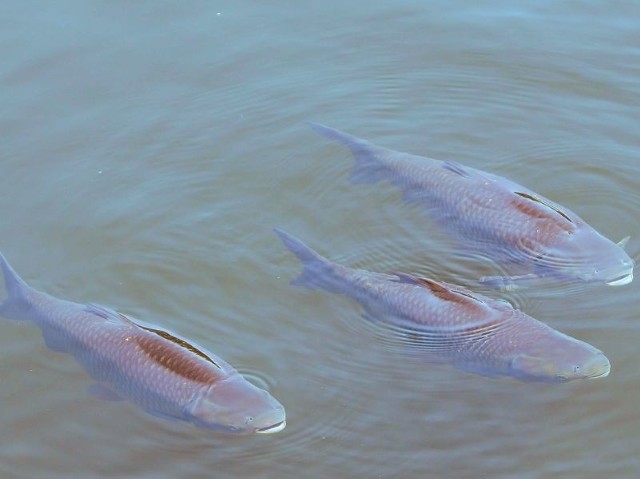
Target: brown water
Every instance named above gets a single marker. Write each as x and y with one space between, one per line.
148 149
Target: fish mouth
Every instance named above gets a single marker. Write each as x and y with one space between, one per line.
621 280
602 374
599 367
277 427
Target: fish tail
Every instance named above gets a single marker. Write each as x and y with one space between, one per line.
316 269
368 167
15 288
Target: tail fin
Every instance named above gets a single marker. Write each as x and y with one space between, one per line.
368 168
15 287
315 266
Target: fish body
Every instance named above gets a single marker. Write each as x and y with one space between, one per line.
473 332
493 215
159 371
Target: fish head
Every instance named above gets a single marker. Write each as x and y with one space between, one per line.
588 256
560 362
236 405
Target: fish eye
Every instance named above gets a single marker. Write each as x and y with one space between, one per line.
576 369
249 420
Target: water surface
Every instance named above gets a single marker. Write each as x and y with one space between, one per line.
150 148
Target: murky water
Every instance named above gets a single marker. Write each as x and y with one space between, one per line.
148 149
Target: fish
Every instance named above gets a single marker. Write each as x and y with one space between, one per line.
495 217
163 373
452 324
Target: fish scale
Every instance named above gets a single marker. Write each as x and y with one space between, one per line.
494 216
473 332
159 371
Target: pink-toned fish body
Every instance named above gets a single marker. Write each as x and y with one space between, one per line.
494 216
159 371
471 331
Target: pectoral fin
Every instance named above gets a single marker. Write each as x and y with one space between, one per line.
103 392
623 242
509 283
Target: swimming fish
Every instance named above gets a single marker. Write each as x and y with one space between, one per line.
495 216
453 324
159 371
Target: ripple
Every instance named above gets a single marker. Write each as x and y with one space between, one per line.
387 206
603 195
258 378
386 357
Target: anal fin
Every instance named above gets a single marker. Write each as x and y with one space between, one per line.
509 283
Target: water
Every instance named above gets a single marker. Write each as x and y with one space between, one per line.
149 148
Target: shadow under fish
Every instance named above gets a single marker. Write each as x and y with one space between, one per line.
471 331
164 374
495 217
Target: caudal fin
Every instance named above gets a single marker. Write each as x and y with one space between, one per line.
15 288
369 168
315 267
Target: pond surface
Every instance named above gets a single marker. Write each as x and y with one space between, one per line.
149 149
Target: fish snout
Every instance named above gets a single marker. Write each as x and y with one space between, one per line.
568 364
238 406
624 274
621 280
597 367
271 421
618 275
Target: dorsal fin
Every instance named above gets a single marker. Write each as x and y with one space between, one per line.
537 202
107 313
161 347
180 342
177 356
456 168
438 289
